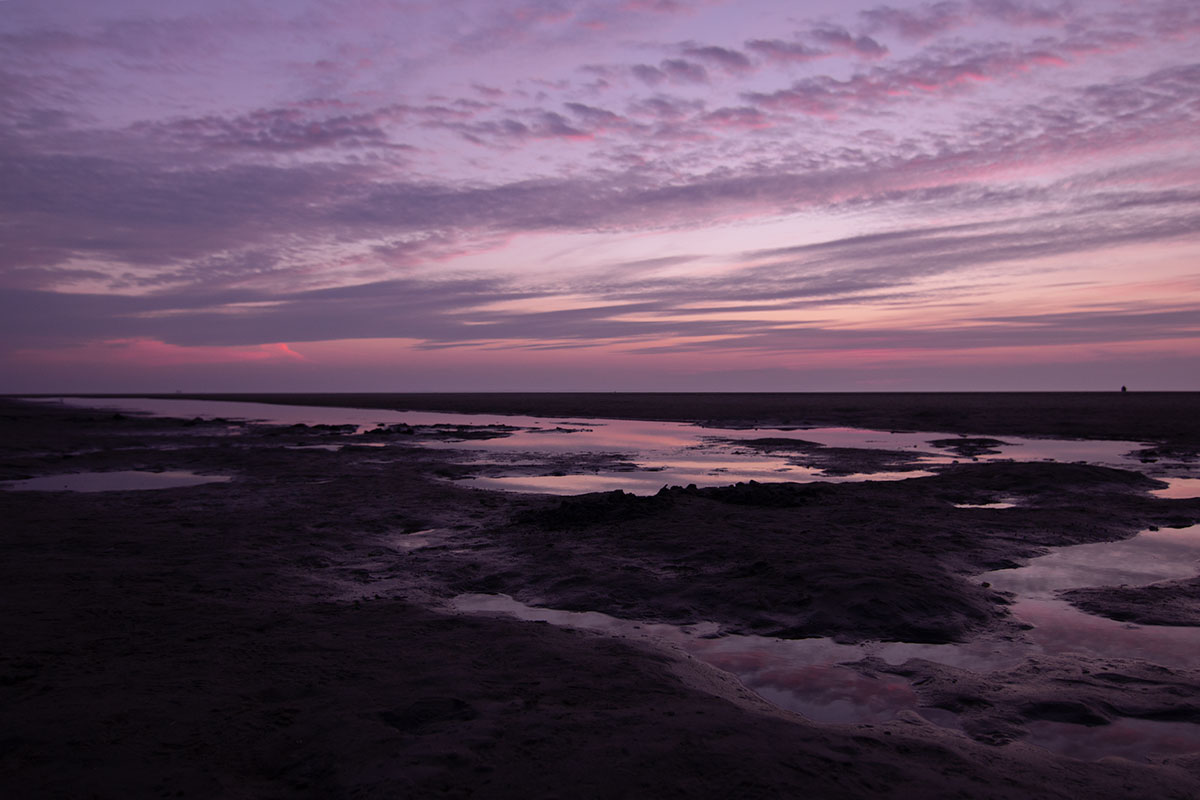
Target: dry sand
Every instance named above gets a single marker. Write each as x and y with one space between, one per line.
278 636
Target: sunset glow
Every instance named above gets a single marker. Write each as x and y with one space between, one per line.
379 195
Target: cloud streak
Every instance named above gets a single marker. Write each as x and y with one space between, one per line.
530 176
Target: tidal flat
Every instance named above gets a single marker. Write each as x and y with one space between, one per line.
308 623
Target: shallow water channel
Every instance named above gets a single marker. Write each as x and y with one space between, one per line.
807 675
812 676
557 456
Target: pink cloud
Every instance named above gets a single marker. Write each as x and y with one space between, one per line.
841 40
680 70
732 61
1020 12
922 23
935 72
930 19
743 117
657 6
488 91
677 71
540 125
781 52
598 119
155 353
507 26
833 40
296 127
665 107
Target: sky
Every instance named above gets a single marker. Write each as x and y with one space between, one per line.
599 195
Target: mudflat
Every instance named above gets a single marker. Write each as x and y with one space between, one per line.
289 633
1150 416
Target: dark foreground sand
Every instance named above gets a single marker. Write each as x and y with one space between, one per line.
275 637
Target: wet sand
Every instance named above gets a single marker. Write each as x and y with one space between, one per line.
1168 603
281 635
1169 417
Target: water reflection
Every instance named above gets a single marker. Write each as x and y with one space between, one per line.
1134 739
1159 555
418 539
670 453
1149 557
647 483
1179 488
808 675
797 675
801 675
830 694
1061 629
986 505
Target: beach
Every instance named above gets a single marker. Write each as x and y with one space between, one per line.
1168 416
291 630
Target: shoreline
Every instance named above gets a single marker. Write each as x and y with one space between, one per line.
1163 417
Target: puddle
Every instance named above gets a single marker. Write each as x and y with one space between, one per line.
112 481
1179 488
649 482
835 695
805 676
1061 629
985 505
800 675
664 453
587 620
1134 739
1165 554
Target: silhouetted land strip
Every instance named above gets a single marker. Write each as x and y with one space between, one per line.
1136 416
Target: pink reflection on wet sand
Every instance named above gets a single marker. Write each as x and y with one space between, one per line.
691 454
1059 627
647 483
1134 739
1179 488
806 676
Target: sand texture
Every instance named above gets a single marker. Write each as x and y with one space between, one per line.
1167 603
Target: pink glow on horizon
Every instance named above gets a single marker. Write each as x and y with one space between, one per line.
394 353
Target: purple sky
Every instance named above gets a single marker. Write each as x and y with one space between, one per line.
629 195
